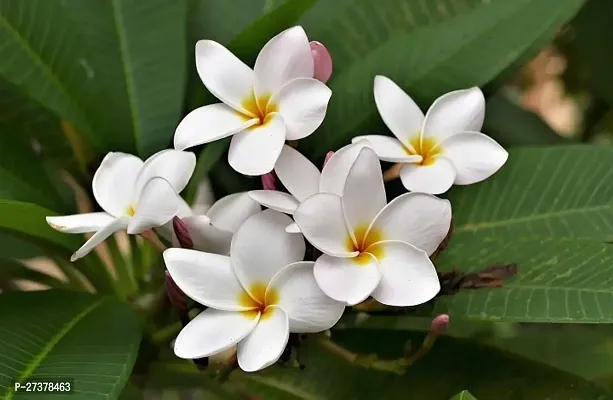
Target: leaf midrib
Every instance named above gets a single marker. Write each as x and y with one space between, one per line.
35 363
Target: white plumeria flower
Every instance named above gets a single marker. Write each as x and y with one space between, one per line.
371 248
134 195
302 179
256 297
276 101
452 149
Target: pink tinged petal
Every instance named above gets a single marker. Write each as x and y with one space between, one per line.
419 219
399 112
389 149
322 61
80 223
157 204
285 57
293 228
279 201
181 232
114 181
174 166
328 157
224 75
255 151
321 220
100 236
265 344
303 103
435 178
261 247
334 173
206 278
299 176
269 181
349 280
212 332
455 112
475 156
364 193
208 124
177 298
206 237
408 276
229 212
308 308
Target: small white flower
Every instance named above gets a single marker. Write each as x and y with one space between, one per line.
453 150
371 248
256 297
134 195
276 101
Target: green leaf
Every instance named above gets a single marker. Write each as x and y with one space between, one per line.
116 69
92 340
463 395
562 191
428 48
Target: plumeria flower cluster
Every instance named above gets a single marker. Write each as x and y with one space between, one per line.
246 266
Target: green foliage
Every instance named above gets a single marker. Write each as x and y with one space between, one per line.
92 340
463 395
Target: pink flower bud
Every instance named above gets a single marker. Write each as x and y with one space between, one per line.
182 233
328 157
177 298
269 181
322 61
440 324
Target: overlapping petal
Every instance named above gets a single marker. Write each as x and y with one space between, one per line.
80 223
174 166
158 203
265 344
100 236
114 182
334 174
207 237
229 212
435 178
299 176
389 149
279 201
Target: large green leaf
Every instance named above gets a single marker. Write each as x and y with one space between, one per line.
114 68
92 340
428 48
463 395
561 191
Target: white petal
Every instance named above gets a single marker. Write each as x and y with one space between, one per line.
293 228
80 223
100 236
205 197
350 280
226 77
435 178
229 212
302 102
213 331
335 171
399 112
175 166
475 156
408 276
321 220
114 180
419 219
265 344
285 57
299 176
388 149
209 123
184 209
364 193
207 237
455 112
261 247
255 151
158 203
308 308
207 278
279 201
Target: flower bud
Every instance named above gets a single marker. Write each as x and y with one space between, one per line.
182 233
177 298
328 157
439 324
269 181
322 61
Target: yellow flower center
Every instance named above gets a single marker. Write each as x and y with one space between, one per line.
260 108
363 243
425 147
131 211
259 301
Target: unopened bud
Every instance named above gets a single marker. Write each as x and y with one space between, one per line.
328 157
269 181
182 233
440 324
178 299
322 61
